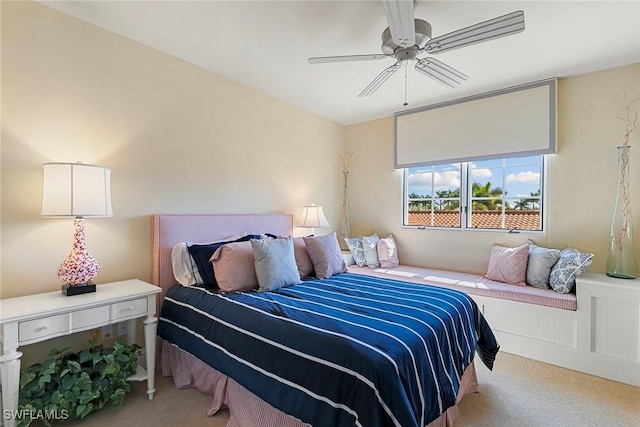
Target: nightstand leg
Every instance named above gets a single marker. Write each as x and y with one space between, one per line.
10 374
150 328
131 331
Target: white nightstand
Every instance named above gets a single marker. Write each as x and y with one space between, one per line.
35 318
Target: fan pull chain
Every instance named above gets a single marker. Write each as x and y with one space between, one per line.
405 84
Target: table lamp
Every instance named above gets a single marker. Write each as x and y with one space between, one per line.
313 217
77 190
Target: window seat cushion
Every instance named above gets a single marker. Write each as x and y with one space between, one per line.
473 284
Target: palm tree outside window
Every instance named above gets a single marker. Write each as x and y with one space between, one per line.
495 194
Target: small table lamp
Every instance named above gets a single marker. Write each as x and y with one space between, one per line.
313 217
77 190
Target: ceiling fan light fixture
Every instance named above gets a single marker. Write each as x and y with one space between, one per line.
405 55
406 37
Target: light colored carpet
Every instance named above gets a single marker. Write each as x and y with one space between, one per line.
526 393
519 392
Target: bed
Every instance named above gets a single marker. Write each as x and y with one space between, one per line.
345 350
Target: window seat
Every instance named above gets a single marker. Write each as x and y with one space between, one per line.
474 284
595 330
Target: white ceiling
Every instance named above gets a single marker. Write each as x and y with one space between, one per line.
265 45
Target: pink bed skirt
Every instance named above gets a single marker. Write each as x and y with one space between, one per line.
246 409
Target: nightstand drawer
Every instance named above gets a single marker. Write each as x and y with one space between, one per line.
127 309
85 319
41 328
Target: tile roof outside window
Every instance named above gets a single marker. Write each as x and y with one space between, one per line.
522 220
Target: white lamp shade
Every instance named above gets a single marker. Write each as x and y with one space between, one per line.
76 190
313 217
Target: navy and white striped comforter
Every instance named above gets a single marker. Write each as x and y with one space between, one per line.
348 350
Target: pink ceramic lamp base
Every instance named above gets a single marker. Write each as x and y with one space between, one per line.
79 268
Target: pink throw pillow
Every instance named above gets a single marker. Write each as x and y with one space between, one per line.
305 266
388 252
234 267
508 265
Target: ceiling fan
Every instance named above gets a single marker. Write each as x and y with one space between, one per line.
407 37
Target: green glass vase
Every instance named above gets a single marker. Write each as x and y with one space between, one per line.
621 262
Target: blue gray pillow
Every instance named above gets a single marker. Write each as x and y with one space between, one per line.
570 265
370 246
541 261
275 263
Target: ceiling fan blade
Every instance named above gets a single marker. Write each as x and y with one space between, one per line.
441 72
377 82
511 23
346 58
401 20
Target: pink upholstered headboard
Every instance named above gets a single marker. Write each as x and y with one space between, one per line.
168 230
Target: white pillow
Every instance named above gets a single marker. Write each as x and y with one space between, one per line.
184 268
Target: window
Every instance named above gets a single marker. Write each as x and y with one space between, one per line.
498 194
433 195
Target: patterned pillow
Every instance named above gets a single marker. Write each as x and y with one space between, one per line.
541 260
355 247
570 265
275 263
325 255
508 265
370 246
388 252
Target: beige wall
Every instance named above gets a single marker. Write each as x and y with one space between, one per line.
581 191
177 138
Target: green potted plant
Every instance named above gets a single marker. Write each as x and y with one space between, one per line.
72 385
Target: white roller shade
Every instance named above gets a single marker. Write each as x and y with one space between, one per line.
513 122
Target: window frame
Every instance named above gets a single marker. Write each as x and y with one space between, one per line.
466 200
